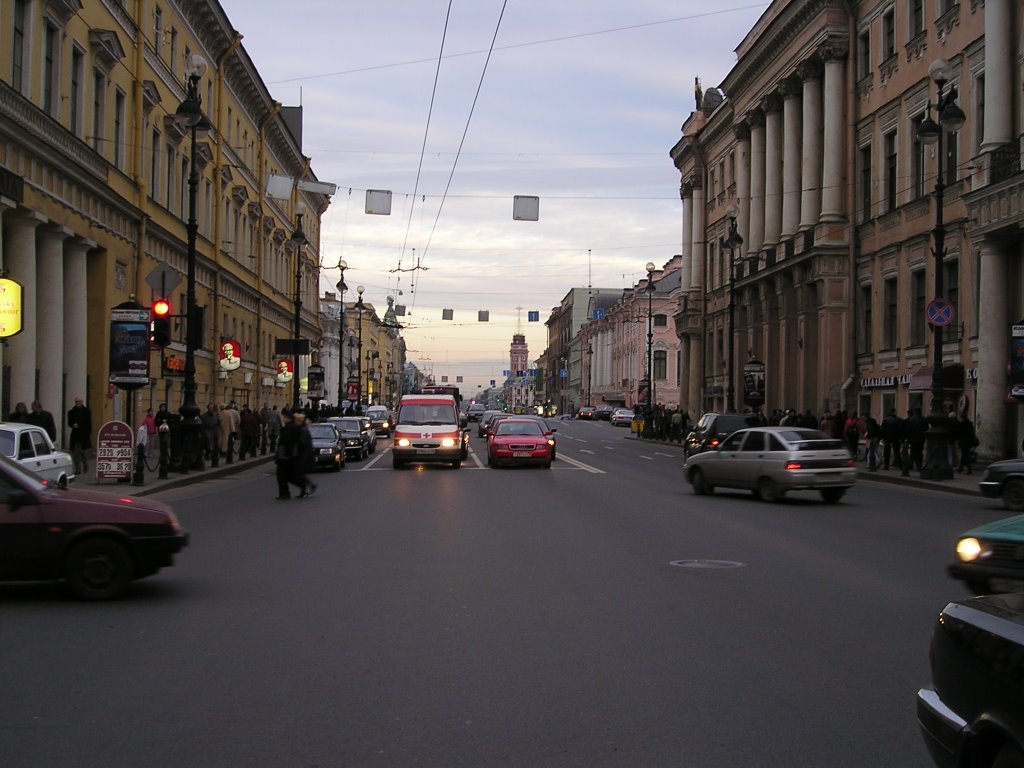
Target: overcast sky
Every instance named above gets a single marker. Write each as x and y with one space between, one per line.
578 104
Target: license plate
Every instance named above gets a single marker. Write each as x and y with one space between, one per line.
423 451
521 454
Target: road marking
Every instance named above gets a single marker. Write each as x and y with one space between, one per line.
646 458
669 455
586 450
581 465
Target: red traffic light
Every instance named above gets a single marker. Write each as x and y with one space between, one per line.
161 308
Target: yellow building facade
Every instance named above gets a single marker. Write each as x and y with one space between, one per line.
94 203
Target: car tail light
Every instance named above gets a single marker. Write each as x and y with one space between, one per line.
714 442
792 465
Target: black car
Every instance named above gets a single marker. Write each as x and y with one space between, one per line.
475 411
328 451
1005 480
973 712
713 428
354 436
96 542
604 412
380 419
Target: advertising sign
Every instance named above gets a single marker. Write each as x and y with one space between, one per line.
1017 360
285 370
352 390
753 383
315 382
230 355
10 308
114 446
129 346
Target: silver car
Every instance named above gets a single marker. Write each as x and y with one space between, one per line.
31 447
770 461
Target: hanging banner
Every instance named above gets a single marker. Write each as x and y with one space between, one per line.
10 308
753 383
285 371
315 382
230 355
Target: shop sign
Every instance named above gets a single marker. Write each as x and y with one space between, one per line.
882 382
230 355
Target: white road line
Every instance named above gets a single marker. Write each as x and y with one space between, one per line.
581 465
646 458
585 450
669 455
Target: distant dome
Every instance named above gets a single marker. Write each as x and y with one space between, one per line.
711 101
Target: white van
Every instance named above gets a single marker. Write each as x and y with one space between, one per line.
428 428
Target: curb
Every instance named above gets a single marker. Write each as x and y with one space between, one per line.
210 473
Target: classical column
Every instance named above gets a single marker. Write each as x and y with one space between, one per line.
742 131
834 54
810 166
20 263
772 170
685 266
50 316
757 158
998 75
684 371
695 377
792 94
994 343
75 318
697 239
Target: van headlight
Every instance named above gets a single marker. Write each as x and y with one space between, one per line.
448 442
403 442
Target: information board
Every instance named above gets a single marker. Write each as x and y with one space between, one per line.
114 449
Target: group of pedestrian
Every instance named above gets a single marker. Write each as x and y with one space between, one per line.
670 423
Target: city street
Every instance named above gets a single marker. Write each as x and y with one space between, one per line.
594 614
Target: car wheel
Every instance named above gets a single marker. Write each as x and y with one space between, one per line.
456 463
1013 495
700 484
98 569
1010 756
832 495
768 490
547 465
396 462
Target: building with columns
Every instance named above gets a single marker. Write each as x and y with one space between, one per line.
812 138
94 196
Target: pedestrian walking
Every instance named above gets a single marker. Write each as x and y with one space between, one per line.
80 435
249 430
150 423
294 451
892 437
967 441
873 435
917 426
211 431
43 419
305 458
273 429
851 433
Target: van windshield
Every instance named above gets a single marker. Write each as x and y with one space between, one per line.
424 415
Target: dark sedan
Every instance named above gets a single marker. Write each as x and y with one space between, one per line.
990 558
354 436
96 542
328 451
1005 480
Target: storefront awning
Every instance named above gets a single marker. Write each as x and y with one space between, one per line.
615 397
952 378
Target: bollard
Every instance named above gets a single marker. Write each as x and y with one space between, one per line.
139 476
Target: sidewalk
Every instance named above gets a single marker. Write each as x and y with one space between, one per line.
152 482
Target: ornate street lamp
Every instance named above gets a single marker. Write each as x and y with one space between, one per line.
951 118
649 414
342 265
190 115
733 242
359 352
298 241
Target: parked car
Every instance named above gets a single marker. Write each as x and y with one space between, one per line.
354 435
990 558
972 715
519 441
31 447
475 411
380 420
328 448
622 417
586 413
712 428
1005 480
604 412
771 461
97 543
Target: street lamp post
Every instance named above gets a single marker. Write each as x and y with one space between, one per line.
190 115
649 408
298 241
590 374
342 265
951 118
359 352
733 242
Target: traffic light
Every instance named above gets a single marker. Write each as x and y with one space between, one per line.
160 327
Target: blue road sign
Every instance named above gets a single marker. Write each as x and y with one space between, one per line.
939 312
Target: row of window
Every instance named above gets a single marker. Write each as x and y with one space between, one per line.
915 26
917 302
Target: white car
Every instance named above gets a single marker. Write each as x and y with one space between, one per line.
621 417
32 448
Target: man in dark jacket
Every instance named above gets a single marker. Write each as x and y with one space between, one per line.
286 454
917 426
80 436
892 436
43 420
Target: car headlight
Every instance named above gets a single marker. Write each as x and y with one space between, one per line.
403 442
326 451
448 442
969 549
353 441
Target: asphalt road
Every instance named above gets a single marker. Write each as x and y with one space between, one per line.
477 617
